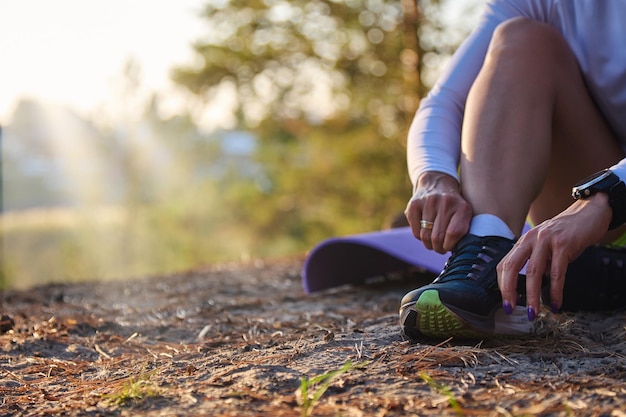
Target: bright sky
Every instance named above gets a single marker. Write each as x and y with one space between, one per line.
70 52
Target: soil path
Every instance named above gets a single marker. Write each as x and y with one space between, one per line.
243 340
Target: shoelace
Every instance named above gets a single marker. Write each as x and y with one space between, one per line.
468 262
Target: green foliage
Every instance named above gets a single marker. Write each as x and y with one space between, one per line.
443 390
134 389
329 89
312 389
281 56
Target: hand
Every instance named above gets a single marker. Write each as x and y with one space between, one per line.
438 199
549 248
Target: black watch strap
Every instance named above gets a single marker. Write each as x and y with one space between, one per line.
617 201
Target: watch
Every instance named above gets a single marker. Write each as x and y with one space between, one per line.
606 182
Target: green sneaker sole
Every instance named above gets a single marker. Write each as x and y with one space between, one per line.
436 320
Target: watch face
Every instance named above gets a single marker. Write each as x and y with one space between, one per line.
585 188
593 179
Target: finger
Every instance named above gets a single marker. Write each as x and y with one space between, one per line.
458 226
428 214
438 233
425 238
536 268
415 229
413 214
508 270
558 269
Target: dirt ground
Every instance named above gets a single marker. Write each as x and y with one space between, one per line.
244 340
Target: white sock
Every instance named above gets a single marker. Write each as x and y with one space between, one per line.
490 225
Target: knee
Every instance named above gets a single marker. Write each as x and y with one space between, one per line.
528 40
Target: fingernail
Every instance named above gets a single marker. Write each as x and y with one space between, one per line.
531 314
555 308
508 309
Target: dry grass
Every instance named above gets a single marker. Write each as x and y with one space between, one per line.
238 340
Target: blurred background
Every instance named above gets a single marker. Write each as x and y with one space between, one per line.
151 136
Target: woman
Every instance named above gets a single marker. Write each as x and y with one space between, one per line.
532 102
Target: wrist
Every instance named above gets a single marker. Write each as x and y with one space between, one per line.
607 183
600 201
438 180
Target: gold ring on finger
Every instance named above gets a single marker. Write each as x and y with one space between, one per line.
425 224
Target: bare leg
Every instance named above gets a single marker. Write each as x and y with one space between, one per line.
531 129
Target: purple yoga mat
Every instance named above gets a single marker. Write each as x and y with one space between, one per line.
354 259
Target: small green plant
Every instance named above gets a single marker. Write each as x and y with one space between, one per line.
312 389
134 389
443 390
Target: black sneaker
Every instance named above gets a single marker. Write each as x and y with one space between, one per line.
595 281
464 301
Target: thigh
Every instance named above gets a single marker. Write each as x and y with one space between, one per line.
531 128
582 141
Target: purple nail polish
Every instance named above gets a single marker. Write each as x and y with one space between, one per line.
555 308
531 314
507 308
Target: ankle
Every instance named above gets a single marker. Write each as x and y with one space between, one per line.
490 225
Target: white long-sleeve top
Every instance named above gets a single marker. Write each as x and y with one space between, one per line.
594 29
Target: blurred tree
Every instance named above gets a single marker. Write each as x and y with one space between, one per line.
329 88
